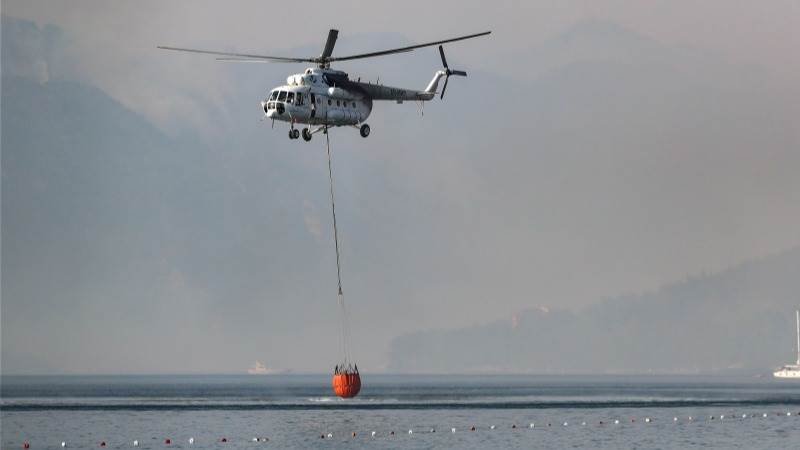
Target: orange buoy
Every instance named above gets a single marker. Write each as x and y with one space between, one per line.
346 382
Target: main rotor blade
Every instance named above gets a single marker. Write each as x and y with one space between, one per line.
238 55
445 87
444 60
458 72
251 60
332 35
405 49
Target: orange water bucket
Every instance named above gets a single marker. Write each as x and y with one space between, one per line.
346 385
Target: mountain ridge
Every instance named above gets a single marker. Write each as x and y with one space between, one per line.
728 320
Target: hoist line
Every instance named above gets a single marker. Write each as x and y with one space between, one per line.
340 297
333 212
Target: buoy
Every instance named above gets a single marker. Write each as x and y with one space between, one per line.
473 428
532 425
354 434
744 416
514 426
103 444
322 436
191 440
583 424
452 430
63 444
373 434
565 424
168 441
410 432
391 433
491 427
765 414
135 443
788 414
26 444
674 419
616 421
433 430
647 419
690 418
255 439
330 435
224 439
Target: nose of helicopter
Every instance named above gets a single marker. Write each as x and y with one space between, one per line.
272 109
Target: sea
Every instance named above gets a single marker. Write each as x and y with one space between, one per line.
399 411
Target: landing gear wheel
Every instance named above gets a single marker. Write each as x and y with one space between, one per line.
364 130
294 134
291 134
306 134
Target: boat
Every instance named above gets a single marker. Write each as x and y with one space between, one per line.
791 370
260 369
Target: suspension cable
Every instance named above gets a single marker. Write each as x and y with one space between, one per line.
345 337
333 211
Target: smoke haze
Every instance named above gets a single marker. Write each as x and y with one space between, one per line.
151 223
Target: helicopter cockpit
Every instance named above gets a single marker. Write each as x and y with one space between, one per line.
279 98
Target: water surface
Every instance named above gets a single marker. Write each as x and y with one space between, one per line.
293 411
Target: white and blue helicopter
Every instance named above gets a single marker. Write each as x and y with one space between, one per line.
321 97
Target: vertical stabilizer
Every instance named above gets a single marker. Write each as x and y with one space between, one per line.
431 88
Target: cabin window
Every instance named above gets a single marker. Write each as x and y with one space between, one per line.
290 97
274 95
282 96
329 102
338 103
354 104
299 98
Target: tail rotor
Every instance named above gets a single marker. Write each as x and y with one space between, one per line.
448 72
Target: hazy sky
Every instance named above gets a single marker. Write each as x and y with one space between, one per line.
115 39
577 161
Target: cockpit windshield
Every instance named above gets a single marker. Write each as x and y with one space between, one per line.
282 96
290 97
273 96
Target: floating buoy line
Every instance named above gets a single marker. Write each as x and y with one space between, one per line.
346 381
613 423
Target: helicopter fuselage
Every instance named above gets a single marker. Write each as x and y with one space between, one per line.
315 98
328 97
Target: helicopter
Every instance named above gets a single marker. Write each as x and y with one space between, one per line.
321 97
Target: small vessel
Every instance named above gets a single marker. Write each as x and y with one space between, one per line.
791 370
260 369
